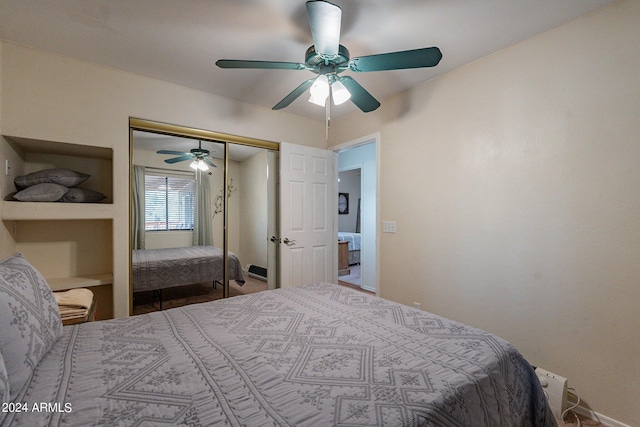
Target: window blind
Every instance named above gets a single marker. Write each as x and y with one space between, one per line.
169 202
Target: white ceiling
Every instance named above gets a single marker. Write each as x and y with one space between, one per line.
179 40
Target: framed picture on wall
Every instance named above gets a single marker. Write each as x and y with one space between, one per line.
343 203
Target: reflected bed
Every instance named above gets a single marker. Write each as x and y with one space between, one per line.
155 269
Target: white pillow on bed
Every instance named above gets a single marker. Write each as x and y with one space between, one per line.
29 320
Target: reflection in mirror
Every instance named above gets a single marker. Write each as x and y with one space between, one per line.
252 214
178 220
170 189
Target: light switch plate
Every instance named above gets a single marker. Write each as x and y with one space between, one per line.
388 226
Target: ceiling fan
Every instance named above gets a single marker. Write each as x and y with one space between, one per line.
328 58
199 156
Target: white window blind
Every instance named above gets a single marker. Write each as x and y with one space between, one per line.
169 202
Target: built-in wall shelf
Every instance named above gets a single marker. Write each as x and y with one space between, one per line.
25 155
30 145
64 283
21 211
70 244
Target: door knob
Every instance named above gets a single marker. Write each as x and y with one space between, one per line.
275 239
288 242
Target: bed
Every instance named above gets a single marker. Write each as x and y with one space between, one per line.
354 240
156 269
313 355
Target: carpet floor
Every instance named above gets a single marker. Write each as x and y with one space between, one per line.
353 277
570 421
146 302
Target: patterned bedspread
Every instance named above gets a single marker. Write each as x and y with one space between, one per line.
166 268
316 355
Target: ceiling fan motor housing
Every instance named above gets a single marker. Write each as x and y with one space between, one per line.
321 64
199 152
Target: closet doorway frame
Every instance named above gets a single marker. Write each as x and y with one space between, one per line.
137 124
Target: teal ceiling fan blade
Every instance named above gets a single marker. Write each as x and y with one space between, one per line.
416 58
294 94
179 159
359 95
175 153
274 65
325 20
209 162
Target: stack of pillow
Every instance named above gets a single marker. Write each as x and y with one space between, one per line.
55 185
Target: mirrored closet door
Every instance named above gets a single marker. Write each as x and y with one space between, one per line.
196 196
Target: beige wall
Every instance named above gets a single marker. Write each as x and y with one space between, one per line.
235 222
515 184
51 97
253 210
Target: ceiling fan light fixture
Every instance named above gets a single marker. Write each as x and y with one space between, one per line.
319 90
199 164
339 93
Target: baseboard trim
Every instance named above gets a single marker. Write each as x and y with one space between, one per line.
603 419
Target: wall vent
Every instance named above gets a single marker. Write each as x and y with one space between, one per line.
257 272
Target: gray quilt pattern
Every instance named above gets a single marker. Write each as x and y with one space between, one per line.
29 317
315 355
165 268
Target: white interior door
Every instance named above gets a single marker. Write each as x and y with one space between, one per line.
308 215
272 219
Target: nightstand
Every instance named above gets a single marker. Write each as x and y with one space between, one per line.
343 258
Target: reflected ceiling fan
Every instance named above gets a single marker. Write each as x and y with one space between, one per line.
200 159
328 58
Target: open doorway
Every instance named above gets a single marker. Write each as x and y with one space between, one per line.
357 201
350 225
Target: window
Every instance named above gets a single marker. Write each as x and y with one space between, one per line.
169 202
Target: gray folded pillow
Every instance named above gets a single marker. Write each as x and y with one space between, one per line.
47 192
82 195
65 177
